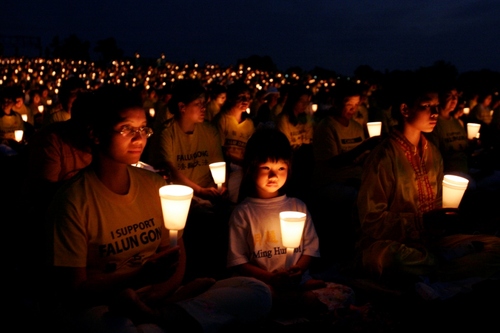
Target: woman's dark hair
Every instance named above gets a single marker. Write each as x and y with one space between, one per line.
483 94
76 129
216 89
185 91
109 101
444 91
294 95
410 89
267 143
341 92
33 93
69 89
233 91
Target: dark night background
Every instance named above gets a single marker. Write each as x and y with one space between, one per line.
336 35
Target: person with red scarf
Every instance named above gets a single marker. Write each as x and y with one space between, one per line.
405 234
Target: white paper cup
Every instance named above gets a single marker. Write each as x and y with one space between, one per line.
218 170
175 202
453 190
472 130
374 128
292 226
18 135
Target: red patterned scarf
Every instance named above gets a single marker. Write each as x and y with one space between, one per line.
426 197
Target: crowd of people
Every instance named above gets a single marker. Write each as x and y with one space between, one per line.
85 150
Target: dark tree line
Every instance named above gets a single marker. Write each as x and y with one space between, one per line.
73 48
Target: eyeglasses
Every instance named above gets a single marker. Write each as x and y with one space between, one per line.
132 131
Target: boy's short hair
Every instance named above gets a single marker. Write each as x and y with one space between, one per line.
266 143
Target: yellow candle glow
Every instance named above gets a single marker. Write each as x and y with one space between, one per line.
18 134
292 226
472 130
374 128
175 203
453 190
218 170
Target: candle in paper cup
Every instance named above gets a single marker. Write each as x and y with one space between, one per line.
218 170
466 111
175 203
453 190
292 226
472 130
40 108
18 135
25 117
152 112
374 128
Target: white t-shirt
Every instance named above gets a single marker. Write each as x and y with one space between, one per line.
255 233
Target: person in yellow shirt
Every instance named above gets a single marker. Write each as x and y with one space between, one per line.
405 234
111 264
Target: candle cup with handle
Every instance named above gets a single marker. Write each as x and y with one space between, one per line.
374 128
453 190
175 203
218 170
292 226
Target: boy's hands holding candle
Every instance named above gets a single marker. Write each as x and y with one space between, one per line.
288 278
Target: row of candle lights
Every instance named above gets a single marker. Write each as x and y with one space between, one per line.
176 200
375 128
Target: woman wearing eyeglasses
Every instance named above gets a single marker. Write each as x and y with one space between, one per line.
111 264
